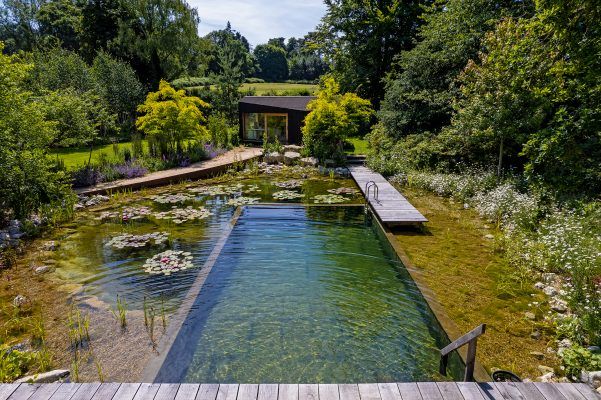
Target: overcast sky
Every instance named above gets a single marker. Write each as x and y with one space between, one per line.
260 20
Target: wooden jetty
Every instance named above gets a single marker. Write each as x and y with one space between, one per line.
391 207
369 391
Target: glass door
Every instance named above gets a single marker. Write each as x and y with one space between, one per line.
277 127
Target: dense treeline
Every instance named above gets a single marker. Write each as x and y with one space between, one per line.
503 83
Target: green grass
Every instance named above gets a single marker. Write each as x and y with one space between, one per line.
361 146
75 157
264 88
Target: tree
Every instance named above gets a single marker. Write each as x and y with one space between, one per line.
228 82
18 24
362 37
59 69
28 179
237 44
272 62
333 118
101 20
60 21
117 83
170 117
159 36
420 94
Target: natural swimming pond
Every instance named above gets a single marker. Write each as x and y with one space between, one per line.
306 293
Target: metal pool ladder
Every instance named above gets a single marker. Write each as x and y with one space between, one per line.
368 186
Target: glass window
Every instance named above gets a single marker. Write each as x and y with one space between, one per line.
254 126
277 126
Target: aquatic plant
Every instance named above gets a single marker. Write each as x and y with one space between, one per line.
290 184
99 369
121 313
126 214
181 215
287 195
218 190
251 189
135 241
163 314
78 327
172 198
240 201
343 190
329 199
168 262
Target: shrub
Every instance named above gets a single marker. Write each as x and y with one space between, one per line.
577 359
188 82
14 364
254 80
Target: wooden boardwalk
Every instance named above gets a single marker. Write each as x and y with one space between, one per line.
390 206
371 391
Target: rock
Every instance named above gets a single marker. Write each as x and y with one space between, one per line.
489 236
530 315
550 291
342 171
466 206
558 305
539 285
51 245
535 335
309 162
594 349
549 277
593 378
23 346
46 377
599 390
14 227
273 158
293 147
291 157
537 354
548 377
329 162
42 270
19 301
545 369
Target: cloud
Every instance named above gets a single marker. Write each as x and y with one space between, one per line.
260 20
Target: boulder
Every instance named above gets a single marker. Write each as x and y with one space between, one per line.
19 301
309 162
50 245
558 306
489 236
549 277
537 354
46 377
539 285
545 369
293 147
530 315
273 158
550 291
291 157
42 270
548 377
593 378
536 335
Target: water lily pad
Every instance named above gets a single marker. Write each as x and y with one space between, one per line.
240 201
329 199
218 190
136 241
287 195
172 198
181 215
168 262
126 214
344 190
291 184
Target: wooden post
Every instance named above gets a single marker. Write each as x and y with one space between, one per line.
471 361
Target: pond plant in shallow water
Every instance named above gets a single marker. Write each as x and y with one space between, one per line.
290 184
168 262
181 215
126 214
343 190
174 198
329 199
287 195
218 190
241 201
136 241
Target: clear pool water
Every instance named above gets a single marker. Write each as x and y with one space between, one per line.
306 294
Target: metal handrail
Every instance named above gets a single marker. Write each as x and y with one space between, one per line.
368 187
471 339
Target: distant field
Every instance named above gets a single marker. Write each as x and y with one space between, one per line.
361 146
280 88
78 156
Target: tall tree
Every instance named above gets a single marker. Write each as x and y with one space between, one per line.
273 65
237 44
361 37
60 21
101 20
419 94
229 80
18 24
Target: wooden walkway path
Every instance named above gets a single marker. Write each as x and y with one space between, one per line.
390 206
372 391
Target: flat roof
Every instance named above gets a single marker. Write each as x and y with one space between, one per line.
289 102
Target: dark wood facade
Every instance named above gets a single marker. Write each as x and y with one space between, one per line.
260 113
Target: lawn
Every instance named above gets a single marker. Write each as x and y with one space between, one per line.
262 89
361 146
75 157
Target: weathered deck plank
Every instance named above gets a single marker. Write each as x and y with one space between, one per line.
368 391
391 207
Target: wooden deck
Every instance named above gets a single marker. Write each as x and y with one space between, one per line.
390 206
372 391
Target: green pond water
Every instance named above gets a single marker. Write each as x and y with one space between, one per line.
298 294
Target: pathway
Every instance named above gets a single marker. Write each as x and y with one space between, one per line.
371 391
390 206
198 170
